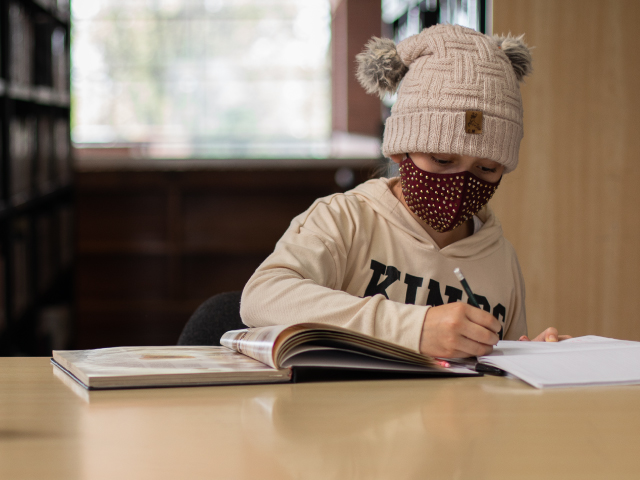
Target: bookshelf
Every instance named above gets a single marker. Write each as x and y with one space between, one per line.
36 190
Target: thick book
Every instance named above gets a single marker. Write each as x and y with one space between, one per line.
256 355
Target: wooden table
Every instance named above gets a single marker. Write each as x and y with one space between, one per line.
476 428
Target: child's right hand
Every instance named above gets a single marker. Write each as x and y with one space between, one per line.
458 330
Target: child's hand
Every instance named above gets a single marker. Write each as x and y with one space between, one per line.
549 335
458 330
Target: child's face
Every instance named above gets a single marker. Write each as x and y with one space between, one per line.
483 168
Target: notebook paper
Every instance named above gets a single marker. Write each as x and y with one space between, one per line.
581 361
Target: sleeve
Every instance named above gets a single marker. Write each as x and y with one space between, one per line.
301 281
518 322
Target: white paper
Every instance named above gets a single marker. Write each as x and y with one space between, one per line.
580 361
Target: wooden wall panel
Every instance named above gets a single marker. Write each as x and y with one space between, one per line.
140 217
152 246
571 207
204 274
113 276
130 327
253 220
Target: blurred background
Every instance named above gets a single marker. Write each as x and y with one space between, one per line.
153 152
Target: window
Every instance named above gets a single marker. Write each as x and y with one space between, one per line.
202 78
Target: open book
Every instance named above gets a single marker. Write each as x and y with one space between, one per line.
255 355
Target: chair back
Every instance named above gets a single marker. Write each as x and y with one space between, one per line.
215 316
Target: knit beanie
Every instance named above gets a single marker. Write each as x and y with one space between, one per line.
459 92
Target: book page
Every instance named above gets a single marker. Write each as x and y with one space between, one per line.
314 356
258 343
274 345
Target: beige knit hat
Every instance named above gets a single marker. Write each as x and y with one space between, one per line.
459 92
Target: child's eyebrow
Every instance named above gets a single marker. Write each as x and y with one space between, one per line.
488 161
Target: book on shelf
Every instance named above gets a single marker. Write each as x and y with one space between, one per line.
257 355
22 142
62 152
59 61
44 154
65 232
21 262
47 251
21 45
55 6
39 61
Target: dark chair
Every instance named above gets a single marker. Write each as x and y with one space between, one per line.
214 317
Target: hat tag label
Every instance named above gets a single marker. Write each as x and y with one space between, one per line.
473 121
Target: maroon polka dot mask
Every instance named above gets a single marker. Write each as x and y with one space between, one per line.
444 200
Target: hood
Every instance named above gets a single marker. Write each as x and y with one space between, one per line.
378 195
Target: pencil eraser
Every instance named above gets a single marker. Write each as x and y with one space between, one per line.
458 274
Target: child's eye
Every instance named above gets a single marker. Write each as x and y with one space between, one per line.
488 170
441 161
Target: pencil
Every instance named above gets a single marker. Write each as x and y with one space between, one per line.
467 288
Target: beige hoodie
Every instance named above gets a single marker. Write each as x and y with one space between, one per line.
361 261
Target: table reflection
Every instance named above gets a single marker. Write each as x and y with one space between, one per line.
327 431
430 428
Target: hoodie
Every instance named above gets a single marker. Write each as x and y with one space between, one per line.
360 260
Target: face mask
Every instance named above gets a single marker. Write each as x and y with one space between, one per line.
444 200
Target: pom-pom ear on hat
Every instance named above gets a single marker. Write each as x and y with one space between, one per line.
517 52
380 68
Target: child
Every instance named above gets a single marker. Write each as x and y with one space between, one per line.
380 258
